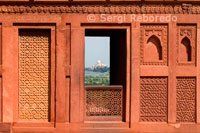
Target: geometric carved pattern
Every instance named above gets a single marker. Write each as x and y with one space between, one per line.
133 8
34 74
153 99
186 99
159 35
104 101
186 32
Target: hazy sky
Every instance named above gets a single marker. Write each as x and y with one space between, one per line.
97 48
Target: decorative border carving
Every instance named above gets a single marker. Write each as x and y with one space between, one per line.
188 31
160 31
104 9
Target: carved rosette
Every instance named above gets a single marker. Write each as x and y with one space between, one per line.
189 32
160 31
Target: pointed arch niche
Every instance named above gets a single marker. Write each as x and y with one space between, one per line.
185 50
153 49
186 44
153 45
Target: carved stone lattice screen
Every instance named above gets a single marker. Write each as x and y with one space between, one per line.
153 99
186 99
104 101
34 74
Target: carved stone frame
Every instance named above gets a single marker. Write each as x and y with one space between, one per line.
126 116
189 31
50 123
160 31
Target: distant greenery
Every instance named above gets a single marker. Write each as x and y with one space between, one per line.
97 80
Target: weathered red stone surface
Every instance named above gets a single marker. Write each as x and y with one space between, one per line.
156 73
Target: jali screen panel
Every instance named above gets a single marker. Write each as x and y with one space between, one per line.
186 99
153 99
34 74
104 102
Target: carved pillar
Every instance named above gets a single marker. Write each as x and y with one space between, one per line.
172 76
1 97
62 76
77 60
198 74
9 60
135 73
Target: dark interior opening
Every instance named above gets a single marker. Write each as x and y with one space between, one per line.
186 42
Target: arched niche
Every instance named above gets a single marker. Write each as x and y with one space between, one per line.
153 49
185 51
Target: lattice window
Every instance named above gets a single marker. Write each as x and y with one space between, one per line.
153 99
104 101
34 74
186 99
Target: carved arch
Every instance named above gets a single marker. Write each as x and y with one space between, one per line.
185 50
153 49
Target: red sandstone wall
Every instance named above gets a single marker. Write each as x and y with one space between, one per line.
162 68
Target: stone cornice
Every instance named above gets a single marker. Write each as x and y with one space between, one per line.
103 9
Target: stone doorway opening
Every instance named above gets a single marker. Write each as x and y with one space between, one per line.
106 101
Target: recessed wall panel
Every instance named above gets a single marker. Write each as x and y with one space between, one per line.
34 75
